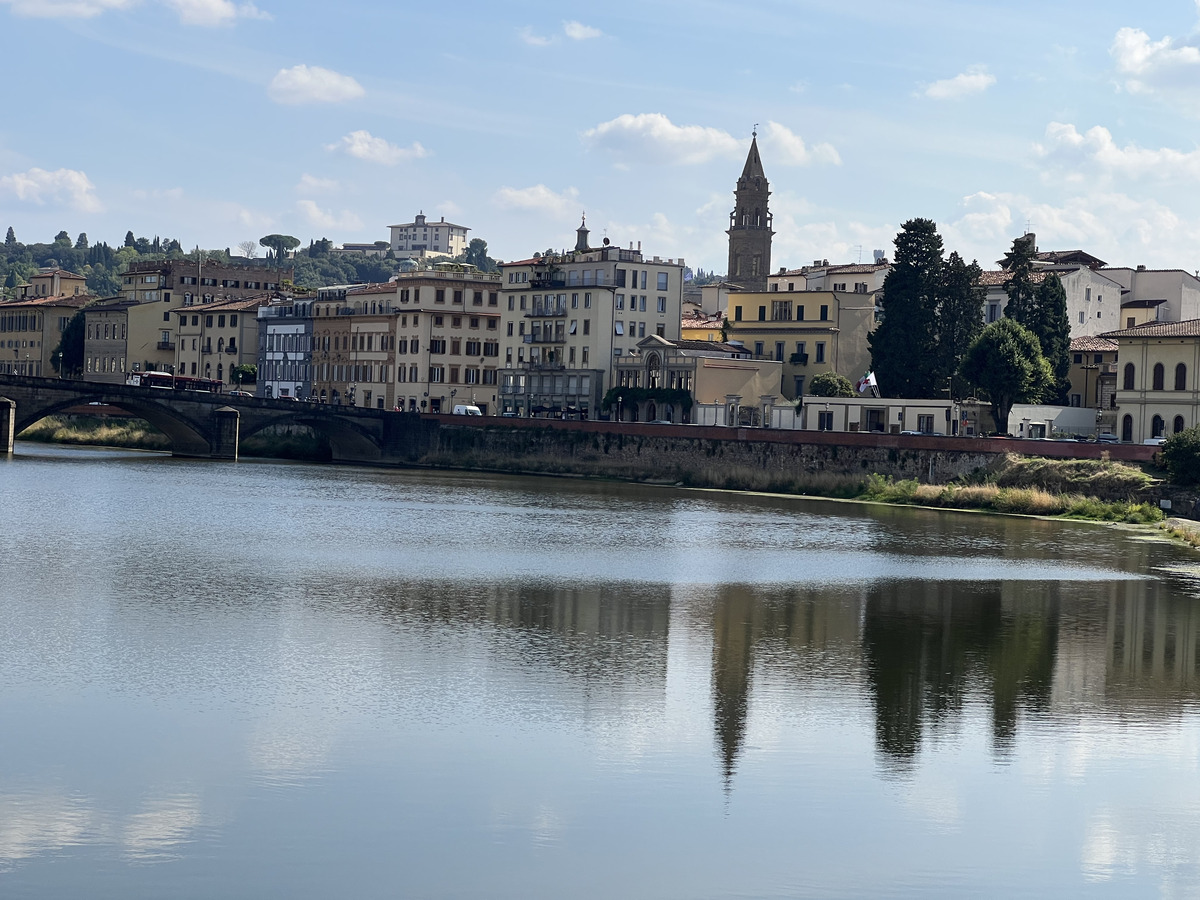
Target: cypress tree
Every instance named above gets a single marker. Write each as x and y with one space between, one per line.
1019 286
1053 330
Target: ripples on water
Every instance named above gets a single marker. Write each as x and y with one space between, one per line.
258 679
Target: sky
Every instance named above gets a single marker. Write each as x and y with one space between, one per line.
219 121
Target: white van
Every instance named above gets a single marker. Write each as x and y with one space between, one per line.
466 409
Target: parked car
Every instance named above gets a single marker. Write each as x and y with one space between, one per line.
1157 442
1107 437
240 394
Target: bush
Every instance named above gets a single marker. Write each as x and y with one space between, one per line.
1180 456
830 384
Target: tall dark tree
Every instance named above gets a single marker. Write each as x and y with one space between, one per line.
62 238
130 241
959 318
1005 362
81 242
1019 283
904 345
1053 330
67 358
10 239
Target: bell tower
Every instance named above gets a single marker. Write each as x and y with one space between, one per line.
750 226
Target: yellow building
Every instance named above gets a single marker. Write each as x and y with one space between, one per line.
708 372
54 283
1158 379
701 326
213 338
809 332
31 329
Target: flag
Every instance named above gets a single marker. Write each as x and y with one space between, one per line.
866 382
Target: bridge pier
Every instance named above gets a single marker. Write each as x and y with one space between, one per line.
8 419
224 438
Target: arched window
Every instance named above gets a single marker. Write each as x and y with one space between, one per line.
1127 384
1179 426
1158 377
653 372
1157 426
220 372
208 370
1127 428
1181 377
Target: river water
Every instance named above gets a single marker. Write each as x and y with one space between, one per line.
261 679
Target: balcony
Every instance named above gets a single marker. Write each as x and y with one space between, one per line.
539 338
165 345
231 349
798 359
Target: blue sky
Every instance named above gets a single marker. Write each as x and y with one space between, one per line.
218 121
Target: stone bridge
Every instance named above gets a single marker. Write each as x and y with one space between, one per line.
211 425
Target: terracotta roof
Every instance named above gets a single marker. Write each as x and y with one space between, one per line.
1187 328
227 305
47 273
386 288
997 277
76 301
1092 344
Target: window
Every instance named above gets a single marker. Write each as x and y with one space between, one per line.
1181 377
1157 426
477 298
1178 424
762 314
662 281
925 424
437 374
1078 358
510 329
825 420
1127 383
737 314
620 327
620 301
587 300
758 348
1081 316
511 303
820 351
439 296
824 312
458 296
587 329
779 349
1158 379
437 345
781 310
662 304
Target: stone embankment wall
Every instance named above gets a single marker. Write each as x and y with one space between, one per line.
752 459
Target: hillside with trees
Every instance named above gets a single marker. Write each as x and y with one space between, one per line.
101 263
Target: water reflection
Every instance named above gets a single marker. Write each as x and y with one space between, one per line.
491 685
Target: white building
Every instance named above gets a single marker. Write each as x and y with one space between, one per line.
566 318
424 238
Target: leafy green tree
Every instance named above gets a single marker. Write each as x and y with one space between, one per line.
67 358
831 384
1005 362
280 245
81 242
1018 263
62 238
1180 456
904 345
476 254
130 241
244 374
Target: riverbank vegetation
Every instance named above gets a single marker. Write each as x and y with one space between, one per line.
130 433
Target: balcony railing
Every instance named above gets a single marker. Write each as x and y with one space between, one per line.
165 345
231 349
539 338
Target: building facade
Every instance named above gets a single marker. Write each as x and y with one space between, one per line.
567 319
285 343
421 237
213 339
1158 379
31 329
809 332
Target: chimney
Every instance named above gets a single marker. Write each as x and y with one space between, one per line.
1141 268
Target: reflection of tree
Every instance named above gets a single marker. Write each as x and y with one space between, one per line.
926 644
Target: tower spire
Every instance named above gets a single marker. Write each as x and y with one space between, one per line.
750 225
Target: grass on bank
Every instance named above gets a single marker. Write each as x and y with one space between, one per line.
134 434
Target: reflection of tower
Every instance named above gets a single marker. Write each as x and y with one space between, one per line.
750 226
733 657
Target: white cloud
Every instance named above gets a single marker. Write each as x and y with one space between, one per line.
652 137
54 9
66 187
1065 145
449 208
321 218
310 184
533 40
973 81
158 194
539 198
1168 66
190 12
214 12
364 145
312 84
789 148
577 31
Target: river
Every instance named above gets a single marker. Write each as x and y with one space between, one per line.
262 679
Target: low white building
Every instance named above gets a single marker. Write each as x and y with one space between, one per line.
886 415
